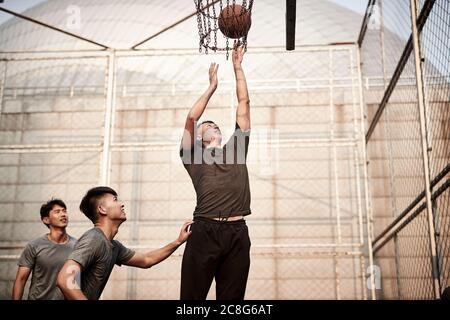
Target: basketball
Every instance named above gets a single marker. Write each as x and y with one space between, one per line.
234 21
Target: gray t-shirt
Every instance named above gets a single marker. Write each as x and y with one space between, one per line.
45 258
97 256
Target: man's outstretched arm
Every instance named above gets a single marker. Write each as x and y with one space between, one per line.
243 108
149 259
197 109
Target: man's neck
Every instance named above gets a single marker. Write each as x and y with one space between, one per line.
58 235
109 228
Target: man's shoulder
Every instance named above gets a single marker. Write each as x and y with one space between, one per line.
90 242
117 243
197 145
72 240
92 235
42 240
191 155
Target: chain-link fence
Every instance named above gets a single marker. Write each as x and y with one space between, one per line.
405 54
306 227
328 203
71 121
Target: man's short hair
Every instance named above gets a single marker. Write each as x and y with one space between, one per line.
89 203
48 206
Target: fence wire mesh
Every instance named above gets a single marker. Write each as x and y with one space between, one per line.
308 227
44 101
305 164
435 39
293 183
404 237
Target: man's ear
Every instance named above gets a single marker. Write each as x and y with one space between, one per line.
46 220
101 209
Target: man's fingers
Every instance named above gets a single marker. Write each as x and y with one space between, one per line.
187 224
237 44
186 227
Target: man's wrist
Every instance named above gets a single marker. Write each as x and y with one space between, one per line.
177 243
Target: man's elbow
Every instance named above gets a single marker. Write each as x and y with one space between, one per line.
149 263
191 118
244 102
243 107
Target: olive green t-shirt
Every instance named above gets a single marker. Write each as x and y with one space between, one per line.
220 176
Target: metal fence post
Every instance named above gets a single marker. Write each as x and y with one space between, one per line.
108 123
424 142
369 218
2 87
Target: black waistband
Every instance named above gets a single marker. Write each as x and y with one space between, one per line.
204 219
220 214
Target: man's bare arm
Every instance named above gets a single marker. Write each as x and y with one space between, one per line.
243 108
19 284
69 281
149 259
197 109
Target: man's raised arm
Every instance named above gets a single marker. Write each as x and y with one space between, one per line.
243 108
197 109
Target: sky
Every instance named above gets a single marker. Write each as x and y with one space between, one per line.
355 5
17 6
22 5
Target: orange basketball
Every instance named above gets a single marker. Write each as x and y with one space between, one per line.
234 21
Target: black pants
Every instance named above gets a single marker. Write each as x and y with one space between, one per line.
219 250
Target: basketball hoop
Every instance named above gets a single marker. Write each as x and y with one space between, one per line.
231 19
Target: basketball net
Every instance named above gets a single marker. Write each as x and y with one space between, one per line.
208 12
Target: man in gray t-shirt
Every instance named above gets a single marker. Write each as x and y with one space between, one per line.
97 255
87 270
45 256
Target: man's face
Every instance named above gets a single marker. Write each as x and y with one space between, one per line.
208 131
114 208
57 217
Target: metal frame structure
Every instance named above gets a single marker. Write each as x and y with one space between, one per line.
433 186
357 142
